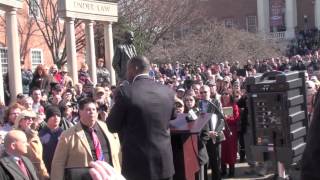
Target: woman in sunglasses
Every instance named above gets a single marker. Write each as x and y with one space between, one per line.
179 106
25 122
229 146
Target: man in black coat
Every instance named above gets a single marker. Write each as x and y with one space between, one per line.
141 116
13 163
311 157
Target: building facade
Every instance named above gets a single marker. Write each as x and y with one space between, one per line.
278 19
26 36
275 19
33 47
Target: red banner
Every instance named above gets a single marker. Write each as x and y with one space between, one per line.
277 12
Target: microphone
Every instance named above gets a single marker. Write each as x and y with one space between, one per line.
125 83
221 114
191 116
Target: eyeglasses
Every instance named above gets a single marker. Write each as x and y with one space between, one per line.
179 105
14 113
28 118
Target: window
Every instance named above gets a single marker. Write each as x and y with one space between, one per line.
4 59
36 58
228 23
252 24
34 8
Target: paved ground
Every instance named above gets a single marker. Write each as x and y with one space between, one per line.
241 168
240 174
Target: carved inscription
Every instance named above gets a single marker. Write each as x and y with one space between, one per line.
94 7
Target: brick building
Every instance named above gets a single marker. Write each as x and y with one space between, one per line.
274 18
33 47
21 39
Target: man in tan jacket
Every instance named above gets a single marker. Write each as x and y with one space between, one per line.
88 141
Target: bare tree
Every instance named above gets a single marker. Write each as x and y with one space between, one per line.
45 14
214 43
152 20
26 30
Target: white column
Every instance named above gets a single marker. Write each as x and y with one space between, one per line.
14 67
317 13
90 52
295 13
108 51
291 18
263 16
1 86
71 50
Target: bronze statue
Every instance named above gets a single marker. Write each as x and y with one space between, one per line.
124 52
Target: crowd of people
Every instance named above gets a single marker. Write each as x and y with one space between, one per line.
55 115
306 41
223 85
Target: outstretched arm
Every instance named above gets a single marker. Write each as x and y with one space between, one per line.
118 112
116 60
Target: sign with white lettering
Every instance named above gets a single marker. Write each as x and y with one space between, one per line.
89 9
277 12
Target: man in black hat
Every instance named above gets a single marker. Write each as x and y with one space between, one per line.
49 135
56 88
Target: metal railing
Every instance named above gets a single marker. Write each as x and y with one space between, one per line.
278 36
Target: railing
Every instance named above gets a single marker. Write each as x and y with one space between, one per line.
278 36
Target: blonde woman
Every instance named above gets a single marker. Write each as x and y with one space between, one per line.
24 122
84 76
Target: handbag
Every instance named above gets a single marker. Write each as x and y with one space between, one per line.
219 138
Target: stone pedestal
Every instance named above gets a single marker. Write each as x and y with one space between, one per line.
108 44
14 67
291 18
317 13
90 52
71 50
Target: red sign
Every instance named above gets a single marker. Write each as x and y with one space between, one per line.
277 12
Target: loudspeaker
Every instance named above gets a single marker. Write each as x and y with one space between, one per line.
277 115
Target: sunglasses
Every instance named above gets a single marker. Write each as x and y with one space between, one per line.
27 118
179 105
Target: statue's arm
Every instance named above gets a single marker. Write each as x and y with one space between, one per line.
117 59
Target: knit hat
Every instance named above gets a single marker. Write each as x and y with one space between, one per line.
52 111
55 86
